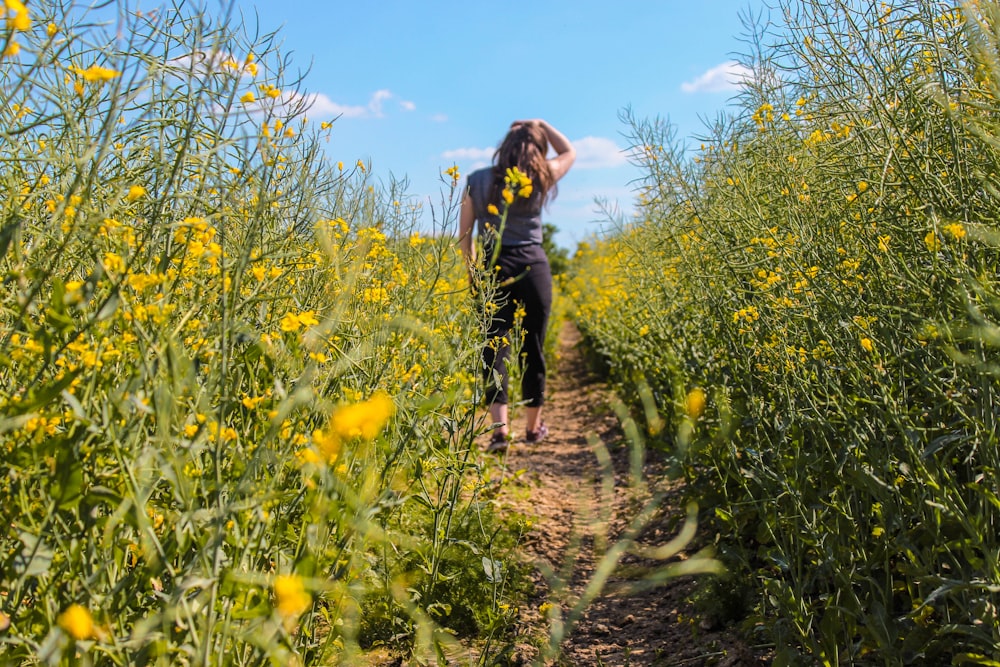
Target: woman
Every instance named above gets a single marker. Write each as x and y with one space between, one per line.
508 211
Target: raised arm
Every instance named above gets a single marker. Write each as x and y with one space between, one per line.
565 153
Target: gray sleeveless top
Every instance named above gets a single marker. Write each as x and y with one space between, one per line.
522 228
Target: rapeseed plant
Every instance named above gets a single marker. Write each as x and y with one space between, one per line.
226 367
822 267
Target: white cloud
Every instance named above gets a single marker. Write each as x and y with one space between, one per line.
727 76
375 103
462 154
440 118
203 63
597 153
320 105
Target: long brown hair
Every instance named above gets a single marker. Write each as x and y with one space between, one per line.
524 147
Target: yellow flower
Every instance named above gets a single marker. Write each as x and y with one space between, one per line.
492 210
308 318
21 20
932 242
290 596
307 455
135 192
251 402
77 622
867 344
328 444
508 195
362 420
51 30
516 177
13 48
248 98
955 230
293 321
694 404
290 322
96 73
113 262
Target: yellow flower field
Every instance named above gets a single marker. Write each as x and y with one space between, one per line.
818 281
238 389
239 385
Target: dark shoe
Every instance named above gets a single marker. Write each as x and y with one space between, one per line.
534 437
498 443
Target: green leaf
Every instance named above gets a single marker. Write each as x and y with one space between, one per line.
7 233
974 659
493 569
35 557
67 488
110 306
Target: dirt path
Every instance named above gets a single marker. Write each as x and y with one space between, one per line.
559 484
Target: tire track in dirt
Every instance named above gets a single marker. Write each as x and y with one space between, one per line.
558 484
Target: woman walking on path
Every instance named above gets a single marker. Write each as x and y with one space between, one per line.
512 248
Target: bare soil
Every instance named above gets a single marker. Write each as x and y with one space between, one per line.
559 484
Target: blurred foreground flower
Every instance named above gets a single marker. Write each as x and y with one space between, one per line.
290 596
77 622
21 20
293 321
694 404
363 420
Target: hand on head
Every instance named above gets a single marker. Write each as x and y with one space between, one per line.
517 123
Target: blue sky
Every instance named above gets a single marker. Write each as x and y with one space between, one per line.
422 86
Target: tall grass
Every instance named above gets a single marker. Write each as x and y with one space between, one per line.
237 389
825 268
